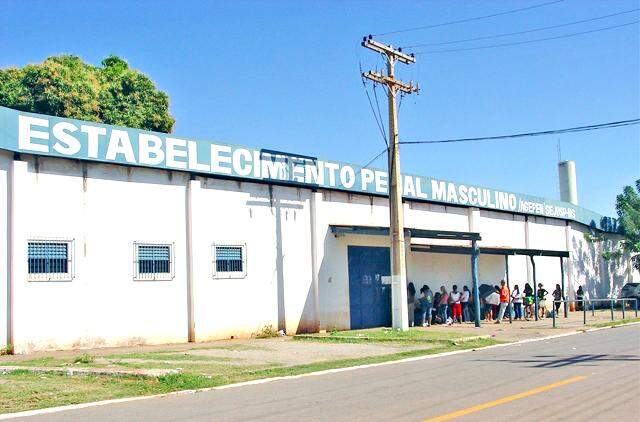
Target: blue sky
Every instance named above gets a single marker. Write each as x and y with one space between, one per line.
284 75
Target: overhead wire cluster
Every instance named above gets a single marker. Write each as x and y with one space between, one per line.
598 126
527 31
414 46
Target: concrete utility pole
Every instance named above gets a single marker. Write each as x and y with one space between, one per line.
396 225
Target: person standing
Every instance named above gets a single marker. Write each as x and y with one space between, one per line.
517 299
411 302
579 299
426 303
496 306
456 306
504 300
528 301
443 305
464 300
542 300
557 298
491 302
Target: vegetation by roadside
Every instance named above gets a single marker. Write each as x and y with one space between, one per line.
24 390
377 335
614 323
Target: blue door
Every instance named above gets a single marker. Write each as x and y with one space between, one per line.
369 299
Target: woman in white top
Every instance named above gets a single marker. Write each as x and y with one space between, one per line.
517 299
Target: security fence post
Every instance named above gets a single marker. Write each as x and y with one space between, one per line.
635 306
584 312
553 312
622 304
593 309
611 309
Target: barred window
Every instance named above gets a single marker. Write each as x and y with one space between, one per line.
153 261
229 261
49 260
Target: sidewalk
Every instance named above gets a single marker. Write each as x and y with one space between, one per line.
280 351
46 379
521 330
286 351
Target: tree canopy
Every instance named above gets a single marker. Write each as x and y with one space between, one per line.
628 208
65 86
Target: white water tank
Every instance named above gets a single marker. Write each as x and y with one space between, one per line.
568 184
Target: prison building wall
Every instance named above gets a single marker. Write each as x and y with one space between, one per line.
105 211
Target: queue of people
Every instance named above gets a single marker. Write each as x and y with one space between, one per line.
442 307
449 307
523 302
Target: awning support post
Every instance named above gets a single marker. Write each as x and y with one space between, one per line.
506 267
535 287
474 279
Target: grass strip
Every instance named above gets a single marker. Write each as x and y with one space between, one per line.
398 340
614 323
24 390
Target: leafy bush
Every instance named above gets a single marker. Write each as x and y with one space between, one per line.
84 359
266 332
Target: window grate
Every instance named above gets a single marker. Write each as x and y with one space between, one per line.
49 260
153 262
229 261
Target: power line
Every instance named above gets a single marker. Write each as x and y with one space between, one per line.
378 122
544 28
530 134
375 158
606 28
375 95
468 19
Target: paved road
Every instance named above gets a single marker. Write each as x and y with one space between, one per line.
414 391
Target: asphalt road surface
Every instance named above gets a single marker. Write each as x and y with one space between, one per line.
586 377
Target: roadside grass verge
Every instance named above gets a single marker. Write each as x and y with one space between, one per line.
380 335
169 356
23 390
160 360
614 323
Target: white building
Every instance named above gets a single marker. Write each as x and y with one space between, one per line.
114 236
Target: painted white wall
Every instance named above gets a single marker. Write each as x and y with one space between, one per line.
104 214
598 277
111 207
5 163
276 290
499 229
436 269
546 233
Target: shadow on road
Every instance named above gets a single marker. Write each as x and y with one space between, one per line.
544 361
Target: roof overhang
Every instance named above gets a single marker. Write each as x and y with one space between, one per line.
409 232
464 250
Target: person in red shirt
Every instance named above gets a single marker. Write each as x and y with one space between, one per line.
504 300
456 306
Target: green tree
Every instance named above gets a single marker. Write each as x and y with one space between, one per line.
65 86
628 208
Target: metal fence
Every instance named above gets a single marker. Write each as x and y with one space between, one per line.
591 303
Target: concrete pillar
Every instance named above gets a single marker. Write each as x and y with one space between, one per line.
193 186
474 218
17 253
5 166
313 217
570 291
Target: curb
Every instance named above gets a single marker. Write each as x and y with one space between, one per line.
346 339
288 377
88 371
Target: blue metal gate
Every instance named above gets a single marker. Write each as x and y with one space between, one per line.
369 299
